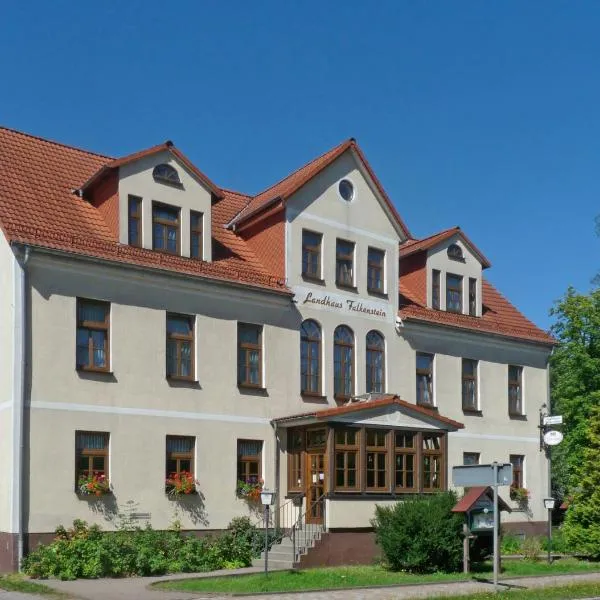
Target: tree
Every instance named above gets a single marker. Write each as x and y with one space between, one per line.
575 381
582 522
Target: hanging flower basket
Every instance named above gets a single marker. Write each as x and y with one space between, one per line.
93 484
181 484
520 495
249 491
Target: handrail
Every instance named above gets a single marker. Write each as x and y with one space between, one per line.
303 533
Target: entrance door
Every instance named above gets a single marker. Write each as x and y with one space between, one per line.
315 486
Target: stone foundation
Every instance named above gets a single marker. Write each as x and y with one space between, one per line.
526 528
339 547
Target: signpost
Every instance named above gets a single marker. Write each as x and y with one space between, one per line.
491 476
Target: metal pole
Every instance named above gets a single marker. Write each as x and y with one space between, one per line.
496 553
266 540
549 510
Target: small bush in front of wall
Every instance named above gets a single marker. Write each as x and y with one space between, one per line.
531 548
421 534
84 551
511 544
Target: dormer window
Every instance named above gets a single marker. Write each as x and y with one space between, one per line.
455 252
453 293
166 174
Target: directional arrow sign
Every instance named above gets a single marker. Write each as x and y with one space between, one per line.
553 420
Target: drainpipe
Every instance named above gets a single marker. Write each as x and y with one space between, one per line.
277 466
18 399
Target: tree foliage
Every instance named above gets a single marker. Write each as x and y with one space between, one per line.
575 379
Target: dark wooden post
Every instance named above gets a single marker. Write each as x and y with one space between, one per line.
467 534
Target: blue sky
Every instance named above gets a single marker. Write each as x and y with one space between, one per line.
479 114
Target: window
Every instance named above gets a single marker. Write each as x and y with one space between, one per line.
375 271
135 221
344 263
343 362
180 455
346 459
433 470
249 461
311 254
180 346
91 448
375 362
424 379
453 293
435 289
196 234
472 297
515 390
455 252
310 358
405 460
469 384
93 325
295 462
470 458
165 228
166 174
346 190
249 355
376 459
517 461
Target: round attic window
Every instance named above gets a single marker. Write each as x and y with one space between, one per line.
346 190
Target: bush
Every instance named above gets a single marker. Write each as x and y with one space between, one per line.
531 548
87 552
421 534
511 544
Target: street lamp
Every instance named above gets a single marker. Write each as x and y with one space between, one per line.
549 504
267 499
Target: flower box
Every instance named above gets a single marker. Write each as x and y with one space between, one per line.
93 484
181 484
518 494
249 490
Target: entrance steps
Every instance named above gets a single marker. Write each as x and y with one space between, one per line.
283 555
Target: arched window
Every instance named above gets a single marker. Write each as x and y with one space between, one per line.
166 173
310 358
375 362
343 362
455 252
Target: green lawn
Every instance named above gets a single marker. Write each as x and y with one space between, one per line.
559 592
348 577
18 583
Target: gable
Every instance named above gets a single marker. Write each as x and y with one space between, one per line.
388 416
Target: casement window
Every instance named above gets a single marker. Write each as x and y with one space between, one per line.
180 346
432 462
165 228
91 448
343 362
515 390
471 458
375 362
196 234
375 271
93 328
518 462
347 448
135 221
296 448
454 293
180 455
435 289
405 448
472 297
249 460
424 379
311 254
250 355
376 459
344 263
310 358
469 384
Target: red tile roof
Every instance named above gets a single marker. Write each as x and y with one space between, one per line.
413 246
362 405
468 501
283 189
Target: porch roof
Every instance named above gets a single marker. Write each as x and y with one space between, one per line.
371 402
470 499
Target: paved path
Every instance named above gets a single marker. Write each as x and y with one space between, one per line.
137 588
17 596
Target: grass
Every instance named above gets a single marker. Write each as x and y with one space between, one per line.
18 583
360 576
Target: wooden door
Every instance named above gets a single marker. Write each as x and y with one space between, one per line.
316 477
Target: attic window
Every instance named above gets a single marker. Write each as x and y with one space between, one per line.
455 252
166 174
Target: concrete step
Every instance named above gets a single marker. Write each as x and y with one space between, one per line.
274 565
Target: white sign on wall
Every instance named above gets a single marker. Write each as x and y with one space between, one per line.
349 306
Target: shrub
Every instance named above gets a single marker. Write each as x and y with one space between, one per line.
421 534
531 548
511 544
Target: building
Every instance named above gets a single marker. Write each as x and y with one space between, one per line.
153 322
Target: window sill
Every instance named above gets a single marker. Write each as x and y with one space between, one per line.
382 295
183 378
164 251
313 396
472 411
346 286
313 279
428 406
517 416
94 370
250 386
370 496
92 497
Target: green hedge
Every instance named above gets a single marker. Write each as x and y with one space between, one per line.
87 552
